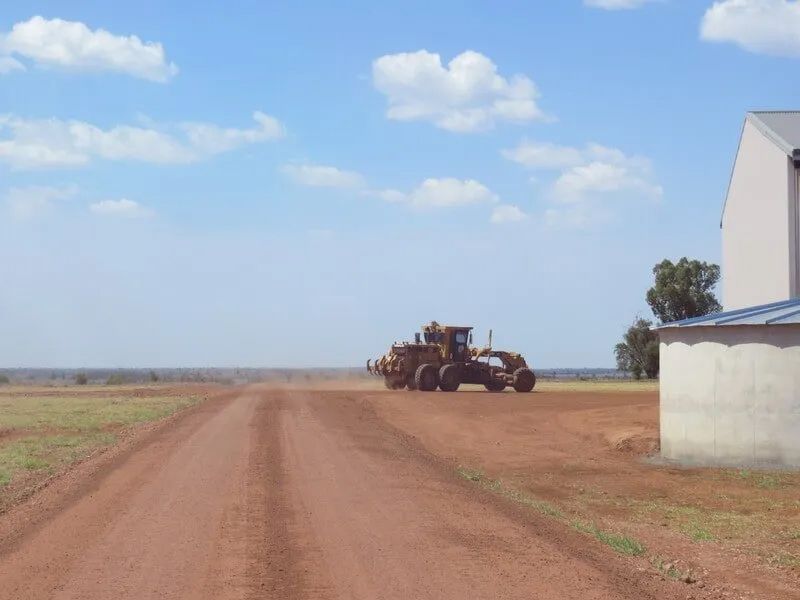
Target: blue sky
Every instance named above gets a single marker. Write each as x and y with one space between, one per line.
287 184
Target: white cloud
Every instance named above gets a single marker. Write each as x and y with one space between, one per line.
592 170
323 176
35 201
617 4
584 177
123 208
761 26
212 139
466 95
37 143
432 193
575 184
507 213
538 155
72 45
8 64
450 192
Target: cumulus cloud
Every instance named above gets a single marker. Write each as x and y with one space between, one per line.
507 213
447 192
584 176
40 143
122 208
433 193
592 170
35 201
8 64
617 4
543 155
575 184
323 176
761 26
212 139
72 45
466 95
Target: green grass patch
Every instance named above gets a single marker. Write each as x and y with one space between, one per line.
47 453
785 559
620 543
51 431
496 486
761 479
85 413
698 534
700 523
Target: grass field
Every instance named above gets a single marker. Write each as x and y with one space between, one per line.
596 385
44 429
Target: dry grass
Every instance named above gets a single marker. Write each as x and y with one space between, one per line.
595 385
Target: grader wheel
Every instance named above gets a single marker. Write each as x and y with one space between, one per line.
449 378
495 385
524 380
426 378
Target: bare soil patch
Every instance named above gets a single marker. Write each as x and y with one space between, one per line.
586 456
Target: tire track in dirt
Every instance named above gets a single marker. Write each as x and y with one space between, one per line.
300 494
145 526
387 520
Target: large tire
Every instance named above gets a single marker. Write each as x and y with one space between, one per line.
426 378
449 378
411 384
524 380
495 385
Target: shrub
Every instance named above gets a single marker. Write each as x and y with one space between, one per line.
115 379
81 379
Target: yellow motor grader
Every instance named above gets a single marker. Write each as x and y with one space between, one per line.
443 357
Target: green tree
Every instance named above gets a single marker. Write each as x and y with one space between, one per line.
81 379
683 289
638 352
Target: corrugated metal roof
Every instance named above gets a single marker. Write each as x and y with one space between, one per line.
786 312
782 127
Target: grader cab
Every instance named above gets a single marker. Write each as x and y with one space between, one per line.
443 357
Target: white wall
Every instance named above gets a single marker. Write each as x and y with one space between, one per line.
731 395
757 227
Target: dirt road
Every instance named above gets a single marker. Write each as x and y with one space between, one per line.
292 494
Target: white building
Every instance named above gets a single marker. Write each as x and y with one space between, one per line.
730 387
760 230
730 382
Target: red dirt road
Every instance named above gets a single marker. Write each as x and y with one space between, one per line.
296 494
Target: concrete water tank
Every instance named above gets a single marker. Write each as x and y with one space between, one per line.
730 387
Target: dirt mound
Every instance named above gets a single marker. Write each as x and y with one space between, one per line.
634 442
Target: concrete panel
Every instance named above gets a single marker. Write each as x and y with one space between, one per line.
731 395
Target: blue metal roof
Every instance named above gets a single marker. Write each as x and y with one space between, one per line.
786 312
